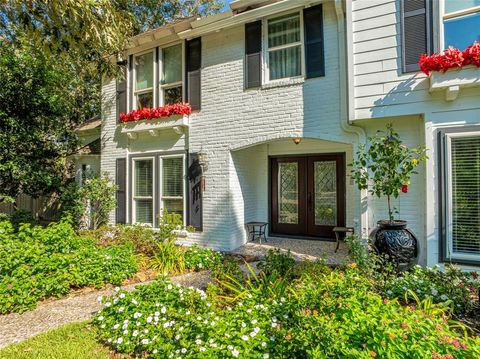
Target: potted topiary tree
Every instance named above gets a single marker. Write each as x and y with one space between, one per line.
385 167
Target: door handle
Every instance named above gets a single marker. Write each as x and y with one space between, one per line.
309 200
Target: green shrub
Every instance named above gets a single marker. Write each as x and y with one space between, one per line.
90 204
168 258
336 315
21 216
450 286
202 258
228 269
39 262
143 238
277 262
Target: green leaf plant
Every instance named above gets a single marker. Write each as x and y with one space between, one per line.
385 166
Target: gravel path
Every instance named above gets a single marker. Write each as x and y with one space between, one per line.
16 327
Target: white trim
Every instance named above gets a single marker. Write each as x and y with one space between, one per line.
134 198
266 50
134 78
449 198
247 16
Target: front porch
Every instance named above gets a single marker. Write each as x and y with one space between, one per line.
300 249
301 188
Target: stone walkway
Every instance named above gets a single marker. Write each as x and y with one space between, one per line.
16 327
300 249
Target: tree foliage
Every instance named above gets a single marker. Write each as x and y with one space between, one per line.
36 118
53 55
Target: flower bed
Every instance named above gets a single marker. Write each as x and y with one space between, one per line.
38 262
323 313
156 113
451 58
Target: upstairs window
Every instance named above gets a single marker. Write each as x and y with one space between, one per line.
143 81
172 89
284 47
461 23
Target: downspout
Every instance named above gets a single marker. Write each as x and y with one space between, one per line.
345 53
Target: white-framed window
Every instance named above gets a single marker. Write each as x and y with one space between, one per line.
143 80
172 74
143 191
155 189
172 184
463 196
157 81
284 47
460 23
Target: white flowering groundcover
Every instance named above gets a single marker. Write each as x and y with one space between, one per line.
335 314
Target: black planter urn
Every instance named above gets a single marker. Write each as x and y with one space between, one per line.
396 241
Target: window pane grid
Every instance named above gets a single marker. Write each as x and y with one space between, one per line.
143 191
464 218
284 52
172 184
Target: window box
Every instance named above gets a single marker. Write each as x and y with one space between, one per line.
176 122
453 80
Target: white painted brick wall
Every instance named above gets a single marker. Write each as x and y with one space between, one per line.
232 117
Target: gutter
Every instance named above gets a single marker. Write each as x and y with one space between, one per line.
345 38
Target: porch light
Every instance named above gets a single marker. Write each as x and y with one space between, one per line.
297 140
202 160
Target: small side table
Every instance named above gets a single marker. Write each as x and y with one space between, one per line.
257 230
344 230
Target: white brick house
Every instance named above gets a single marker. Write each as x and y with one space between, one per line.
283 92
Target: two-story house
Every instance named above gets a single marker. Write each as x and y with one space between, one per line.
282 93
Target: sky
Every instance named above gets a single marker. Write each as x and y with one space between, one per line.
226 4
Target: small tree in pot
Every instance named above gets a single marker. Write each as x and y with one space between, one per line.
385 167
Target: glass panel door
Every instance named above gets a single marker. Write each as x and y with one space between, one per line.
288 192
325 193
288 206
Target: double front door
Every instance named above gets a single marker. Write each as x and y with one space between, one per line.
307 194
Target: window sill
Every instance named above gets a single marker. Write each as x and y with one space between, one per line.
284 82
453 80
177 123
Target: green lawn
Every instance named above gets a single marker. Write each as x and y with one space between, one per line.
72 341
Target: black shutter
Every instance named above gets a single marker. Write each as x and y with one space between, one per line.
121 195
193 53
416 32
253 54
122 93
195 203
314 50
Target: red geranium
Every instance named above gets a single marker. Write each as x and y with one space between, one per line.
451 58
404 188
159 112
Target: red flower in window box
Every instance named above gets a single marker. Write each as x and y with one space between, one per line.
404 188
451 58
154 113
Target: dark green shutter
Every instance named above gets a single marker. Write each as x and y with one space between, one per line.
193 54
253 54
122 93
121 194
416 32
195 196
314 47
